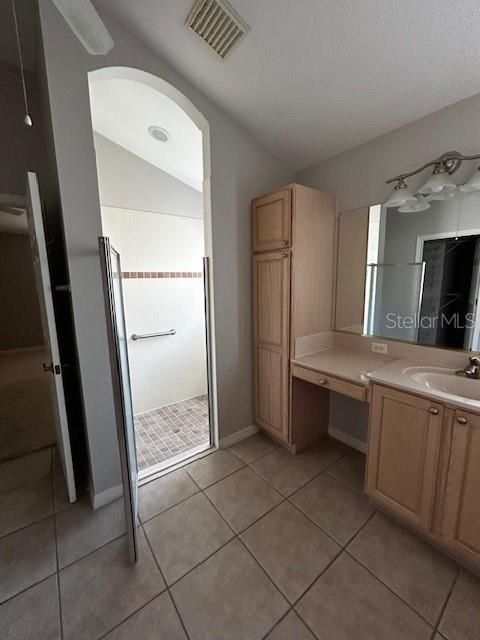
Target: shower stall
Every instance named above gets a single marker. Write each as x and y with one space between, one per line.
163 289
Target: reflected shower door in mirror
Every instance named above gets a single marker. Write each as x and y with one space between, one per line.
414 276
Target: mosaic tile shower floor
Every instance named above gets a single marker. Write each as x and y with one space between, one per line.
171 430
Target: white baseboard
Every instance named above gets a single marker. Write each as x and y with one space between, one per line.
347 439
238 436
105 497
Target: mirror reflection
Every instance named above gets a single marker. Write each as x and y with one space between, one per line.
412 276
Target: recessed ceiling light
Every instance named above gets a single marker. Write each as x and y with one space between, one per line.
159 133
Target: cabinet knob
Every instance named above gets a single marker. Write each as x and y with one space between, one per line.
284 243
323 381
461 420
284 254
433 411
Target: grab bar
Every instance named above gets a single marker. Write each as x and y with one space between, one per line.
142 336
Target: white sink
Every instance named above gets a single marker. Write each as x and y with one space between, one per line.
444 380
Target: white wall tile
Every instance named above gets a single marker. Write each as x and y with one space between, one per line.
170 368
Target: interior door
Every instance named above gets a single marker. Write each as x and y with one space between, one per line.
53 367
472 329
117 339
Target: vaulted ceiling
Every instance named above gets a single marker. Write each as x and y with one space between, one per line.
314 78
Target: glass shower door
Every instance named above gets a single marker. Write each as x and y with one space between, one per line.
117 339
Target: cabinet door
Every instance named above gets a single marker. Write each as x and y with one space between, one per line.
272 221
461 518
403 455
271 307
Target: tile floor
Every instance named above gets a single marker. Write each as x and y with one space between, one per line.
166 432
249 543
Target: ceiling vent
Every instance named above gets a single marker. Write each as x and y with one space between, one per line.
217 24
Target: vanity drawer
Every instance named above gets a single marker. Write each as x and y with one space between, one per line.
357 391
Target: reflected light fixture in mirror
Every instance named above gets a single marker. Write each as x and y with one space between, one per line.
420 204
473 183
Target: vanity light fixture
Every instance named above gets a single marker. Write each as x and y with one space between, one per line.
439 181
401 195
438 187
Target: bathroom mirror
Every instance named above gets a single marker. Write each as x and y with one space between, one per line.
413 276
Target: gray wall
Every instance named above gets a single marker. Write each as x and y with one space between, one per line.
241 169
127 181
19 145
20 325
357 176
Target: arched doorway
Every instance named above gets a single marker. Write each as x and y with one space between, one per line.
153 164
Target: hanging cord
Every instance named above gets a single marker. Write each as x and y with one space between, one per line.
27 119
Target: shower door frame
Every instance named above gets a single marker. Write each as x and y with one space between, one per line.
161 468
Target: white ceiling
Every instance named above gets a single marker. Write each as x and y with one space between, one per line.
315 78
122 110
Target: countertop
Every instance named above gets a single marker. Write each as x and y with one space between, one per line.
349 365
393 375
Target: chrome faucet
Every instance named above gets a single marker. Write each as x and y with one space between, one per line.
472 370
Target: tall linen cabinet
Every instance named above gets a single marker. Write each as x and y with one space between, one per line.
293 237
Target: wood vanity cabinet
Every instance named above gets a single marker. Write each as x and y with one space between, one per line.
404 450
293 232
423 466
461 508
271 295
272 221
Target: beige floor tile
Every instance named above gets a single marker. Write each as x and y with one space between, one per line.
350 470
418 573
347 603
33 614
81 529
461 619
25 469
185 535
285 471
21 507
26 557
253 448
103 589
161 494
324 453
228 597
334 507
291 549
242 498
157 621
214 467
290 628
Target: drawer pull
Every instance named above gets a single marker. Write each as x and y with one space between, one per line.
284 243
323 381
434 411
284 254
461 420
